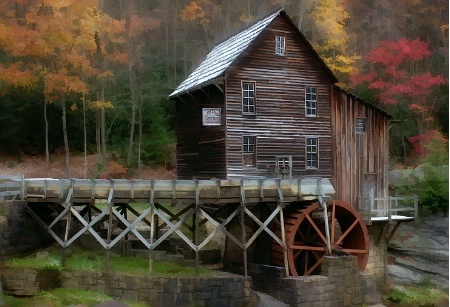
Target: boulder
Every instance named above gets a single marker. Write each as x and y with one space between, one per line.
419 251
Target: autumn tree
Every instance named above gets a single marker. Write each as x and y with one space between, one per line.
398 78
332 39
53 45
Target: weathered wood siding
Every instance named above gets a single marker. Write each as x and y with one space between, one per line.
360 159
280 124
200 149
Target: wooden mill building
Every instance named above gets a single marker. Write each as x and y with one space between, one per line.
263 104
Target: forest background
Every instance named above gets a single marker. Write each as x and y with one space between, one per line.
92 77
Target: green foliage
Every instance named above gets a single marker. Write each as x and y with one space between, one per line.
422 295
80 259
59 298
431 187
50 262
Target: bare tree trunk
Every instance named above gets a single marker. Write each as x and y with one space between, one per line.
84 136
140 122
98 137
66 140
131 79
301 14
102 124
47 154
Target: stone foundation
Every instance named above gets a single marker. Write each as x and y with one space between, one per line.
226 290
341 284
19 232
377 253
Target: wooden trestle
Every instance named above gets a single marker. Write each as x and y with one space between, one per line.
201 200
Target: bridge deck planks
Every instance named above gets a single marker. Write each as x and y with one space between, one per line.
179 191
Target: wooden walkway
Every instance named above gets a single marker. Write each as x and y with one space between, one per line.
83 205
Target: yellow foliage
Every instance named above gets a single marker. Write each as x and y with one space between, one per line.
73 107
194 12
99 104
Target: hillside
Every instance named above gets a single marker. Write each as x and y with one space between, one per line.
35 167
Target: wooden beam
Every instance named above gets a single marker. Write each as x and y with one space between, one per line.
394 229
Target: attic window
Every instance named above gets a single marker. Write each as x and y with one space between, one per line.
360 125
279 45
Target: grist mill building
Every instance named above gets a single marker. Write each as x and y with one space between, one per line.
264 104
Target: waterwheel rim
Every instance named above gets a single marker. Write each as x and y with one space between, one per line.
306 239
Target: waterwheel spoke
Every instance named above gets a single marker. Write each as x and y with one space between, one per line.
313 224
347 231
333 213
308 248
301 234
307 239
297 253
316 255
355 251
314 266
306 262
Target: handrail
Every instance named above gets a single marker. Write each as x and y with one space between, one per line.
391 207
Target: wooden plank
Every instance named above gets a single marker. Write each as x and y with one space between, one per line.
185 190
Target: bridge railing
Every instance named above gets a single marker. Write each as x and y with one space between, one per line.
389 208
11 187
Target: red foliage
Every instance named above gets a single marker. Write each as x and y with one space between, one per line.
114 170
392 53
421 141
392 75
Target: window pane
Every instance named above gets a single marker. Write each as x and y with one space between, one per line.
249 151
360 125
279 45
248 97
312 152
311 101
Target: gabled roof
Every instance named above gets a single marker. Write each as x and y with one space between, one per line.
224 54
221 57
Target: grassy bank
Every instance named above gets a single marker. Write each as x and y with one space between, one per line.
81 259
63 297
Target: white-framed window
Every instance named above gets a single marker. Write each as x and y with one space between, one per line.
312 152
311 101
280 46
360 125
249 151
248 98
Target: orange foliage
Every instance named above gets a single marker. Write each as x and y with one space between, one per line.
194 12
114 170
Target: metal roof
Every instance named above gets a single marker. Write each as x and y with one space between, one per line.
221 57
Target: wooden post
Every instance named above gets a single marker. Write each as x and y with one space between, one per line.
243 201
125 240
108 238
152 225
195 221
66 237
283 238
195 218
244 237
152 236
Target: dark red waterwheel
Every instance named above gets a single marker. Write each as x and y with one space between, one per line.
307 241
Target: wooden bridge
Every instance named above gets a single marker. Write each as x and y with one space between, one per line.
150 211
83 204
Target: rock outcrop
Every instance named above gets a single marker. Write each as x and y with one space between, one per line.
419 251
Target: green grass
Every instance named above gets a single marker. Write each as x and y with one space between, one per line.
81 259
422 295
62 297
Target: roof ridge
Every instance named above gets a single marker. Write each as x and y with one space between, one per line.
222 55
